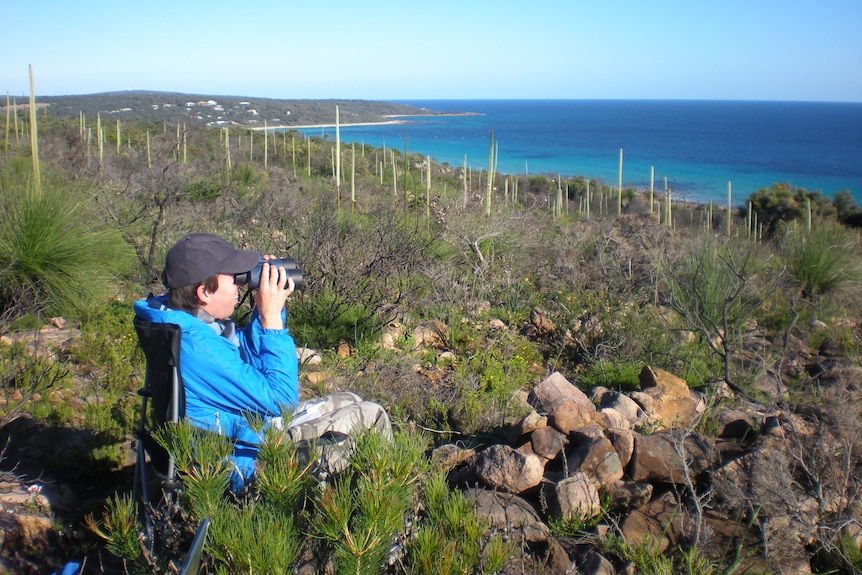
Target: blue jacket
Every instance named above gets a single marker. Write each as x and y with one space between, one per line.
226 380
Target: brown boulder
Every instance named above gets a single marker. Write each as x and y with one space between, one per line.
508 469
548 442
554 389
509 514
596 457
673 402
668 457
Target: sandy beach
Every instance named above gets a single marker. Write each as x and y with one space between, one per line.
310 126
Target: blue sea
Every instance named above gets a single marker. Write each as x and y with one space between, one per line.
699 146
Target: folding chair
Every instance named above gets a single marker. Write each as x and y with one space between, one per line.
163 387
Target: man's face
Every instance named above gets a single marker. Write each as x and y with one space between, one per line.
220 303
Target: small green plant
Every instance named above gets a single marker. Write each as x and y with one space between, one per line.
824 260
118 527
450 536
361 514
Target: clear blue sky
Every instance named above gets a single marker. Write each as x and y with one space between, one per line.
386 50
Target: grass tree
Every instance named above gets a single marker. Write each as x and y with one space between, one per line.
710 283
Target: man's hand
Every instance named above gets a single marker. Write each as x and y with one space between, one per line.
275 286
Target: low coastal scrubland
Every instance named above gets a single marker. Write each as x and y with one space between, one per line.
446 295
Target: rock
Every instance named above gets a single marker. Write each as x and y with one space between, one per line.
596 457
508 514
624 405
449 456
343 351
568 416
508 469
557 561
614 418
391 335
577 496
735 424
628 494
540 325
598 393
548 442
657 459
308 356
594 563
554 389
623 441
658 524
673 402
430 335
532 421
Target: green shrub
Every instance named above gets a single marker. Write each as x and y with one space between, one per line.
55 258
823 261
324 319
621 376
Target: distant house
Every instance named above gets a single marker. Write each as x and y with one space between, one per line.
190 104
244 104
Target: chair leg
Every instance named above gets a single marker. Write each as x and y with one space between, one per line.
142 494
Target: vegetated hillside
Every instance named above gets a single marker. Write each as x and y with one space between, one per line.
216 110
448 301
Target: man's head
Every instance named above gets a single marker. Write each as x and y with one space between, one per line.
199 272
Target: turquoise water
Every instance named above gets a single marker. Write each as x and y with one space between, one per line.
699 146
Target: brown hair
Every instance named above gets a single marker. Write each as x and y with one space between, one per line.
186 297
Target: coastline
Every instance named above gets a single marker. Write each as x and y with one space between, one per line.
332 125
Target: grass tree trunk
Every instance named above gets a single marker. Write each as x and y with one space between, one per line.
353 176
227 150
15 121
100 138
729 207
394 179
490 185
337 159
428 189
668 217
34 137
465 180
8 118
620 188
651 189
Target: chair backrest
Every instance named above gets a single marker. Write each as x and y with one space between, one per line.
163 383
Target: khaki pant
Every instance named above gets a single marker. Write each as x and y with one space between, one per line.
329 420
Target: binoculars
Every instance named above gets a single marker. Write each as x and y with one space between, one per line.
251 278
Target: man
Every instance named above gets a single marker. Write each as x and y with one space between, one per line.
229 373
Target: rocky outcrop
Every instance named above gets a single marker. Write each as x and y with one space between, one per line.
637 457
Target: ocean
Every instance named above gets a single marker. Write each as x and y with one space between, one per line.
699 146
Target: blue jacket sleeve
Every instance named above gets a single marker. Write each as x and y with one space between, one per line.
265 382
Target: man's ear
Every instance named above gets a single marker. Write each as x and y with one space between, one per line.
203 294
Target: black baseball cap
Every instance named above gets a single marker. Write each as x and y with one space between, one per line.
198 256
